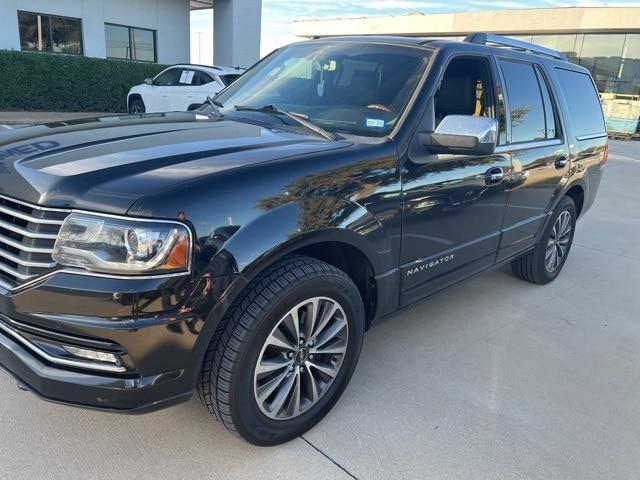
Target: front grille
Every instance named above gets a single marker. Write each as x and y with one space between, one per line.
27 236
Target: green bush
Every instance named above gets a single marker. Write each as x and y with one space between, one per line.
68 83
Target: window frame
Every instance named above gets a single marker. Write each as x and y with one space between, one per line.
544 77
38 14
574 133
130 31
558 140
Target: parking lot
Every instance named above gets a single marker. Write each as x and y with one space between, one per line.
494 378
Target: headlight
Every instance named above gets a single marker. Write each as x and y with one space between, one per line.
122 246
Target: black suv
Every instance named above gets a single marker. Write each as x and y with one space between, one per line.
242 250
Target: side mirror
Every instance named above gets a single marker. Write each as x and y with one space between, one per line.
462 135
148 81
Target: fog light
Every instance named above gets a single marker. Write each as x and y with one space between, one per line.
91 354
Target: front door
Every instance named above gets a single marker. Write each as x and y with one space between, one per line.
454 205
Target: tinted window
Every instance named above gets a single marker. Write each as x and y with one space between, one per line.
525 102
228 79
49 33
144 45
168 78
583 101
202 78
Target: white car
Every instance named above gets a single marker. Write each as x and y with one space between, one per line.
180 88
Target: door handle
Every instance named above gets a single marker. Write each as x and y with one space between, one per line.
561 161
494 175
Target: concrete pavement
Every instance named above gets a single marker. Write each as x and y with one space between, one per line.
495 378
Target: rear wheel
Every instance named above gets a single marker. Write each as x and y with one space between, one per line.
285 352
136 106
544 263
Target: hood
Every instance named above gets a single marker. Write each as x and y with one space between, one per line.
107 164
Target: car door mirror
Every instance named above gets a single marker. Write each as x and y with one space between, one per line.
462 135
148 81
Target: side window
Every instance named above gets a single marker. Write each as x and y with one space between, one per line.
550 117
525 102
187 77
466 89
228 79
202 78
585 111
167 78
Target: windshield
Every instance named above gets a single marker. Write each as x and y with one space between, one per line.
351 88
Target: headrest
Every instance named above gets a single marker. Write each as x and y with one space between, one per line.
457 96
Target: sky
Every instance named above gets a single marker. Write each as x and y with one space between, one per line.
277 15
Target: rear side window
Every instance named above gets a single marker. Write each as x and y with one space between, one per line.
585 111
528 122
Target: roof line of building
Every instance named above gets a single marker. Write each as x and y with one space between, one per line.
514 21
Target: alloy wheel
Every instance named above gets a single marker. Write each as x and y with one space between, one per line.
558 242
301 358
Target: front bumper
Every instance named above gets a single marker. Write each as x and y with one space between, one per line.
86 389
157 327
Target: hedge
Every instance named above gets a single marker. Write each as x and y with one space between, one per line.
31 81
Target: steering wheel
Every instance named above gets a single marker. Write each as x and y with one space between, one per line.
377 106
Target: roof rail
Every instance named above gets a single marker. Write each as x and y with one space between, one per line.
499 40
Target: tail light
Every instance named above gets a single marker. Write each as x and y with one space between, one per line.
605 155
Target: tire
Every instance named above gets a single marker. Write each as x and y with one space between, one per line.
230 384
136 106
533 266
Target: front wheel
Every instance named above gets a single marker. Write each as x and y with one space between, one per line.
286 352
136 106
544 263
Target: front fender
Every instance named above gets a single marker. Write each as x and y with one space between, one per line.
300 223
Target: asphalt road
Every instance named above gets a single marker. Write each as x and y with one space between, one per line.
494 378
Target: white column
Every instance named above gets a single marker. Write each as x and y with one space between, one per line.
236 32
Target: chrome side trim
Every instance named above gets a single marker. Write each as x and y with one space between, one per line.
58 360
591 137
514 147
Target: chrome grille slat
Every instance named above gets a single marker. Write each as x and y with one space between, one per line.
13 272
29 218
25 263
27 235
24 232
24 248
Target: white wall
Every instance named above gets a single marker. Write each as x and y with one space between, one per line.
170 18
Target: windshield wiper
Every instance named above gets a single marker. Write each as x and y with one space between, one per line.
216 106
298 117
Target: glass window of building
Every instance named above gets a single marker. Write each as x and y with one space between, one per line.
50 33
562 43
525 102
130 43
601 54
629 83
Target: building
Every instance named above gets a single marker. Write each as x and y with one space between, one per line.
606 40
142 30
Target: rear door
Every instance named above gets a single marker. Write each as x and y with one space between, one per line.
539 152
